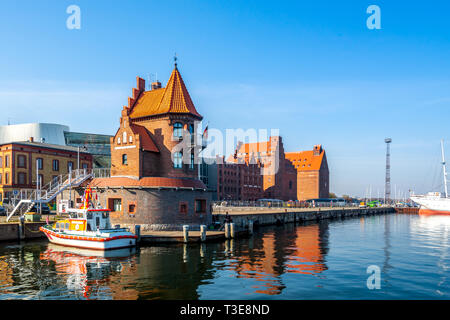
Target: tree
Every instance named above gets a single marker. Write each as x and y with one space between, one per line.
332 195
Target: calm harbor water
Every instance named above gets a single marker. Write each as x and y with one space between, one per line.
322 260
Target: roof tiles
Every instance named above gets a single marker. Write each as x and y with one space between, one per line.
174 98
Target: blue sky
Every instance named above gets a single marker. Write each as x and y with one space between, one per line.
311 69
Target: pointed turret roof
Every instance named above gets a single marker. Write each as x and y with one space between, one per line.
174 98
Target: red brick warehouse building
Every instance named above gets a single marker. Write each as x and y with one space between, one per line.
153 183
266 168
313 177
251 173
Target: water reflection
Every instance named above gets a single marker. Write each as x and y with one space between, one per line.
291 249
292 261
91 273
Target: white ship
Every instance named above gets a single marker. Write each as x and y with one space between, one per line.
434 203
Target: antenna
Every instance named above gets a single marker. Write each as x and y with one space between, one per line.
387 187
444 169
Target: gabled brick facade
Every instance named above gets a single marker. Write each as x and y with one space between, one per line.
312 173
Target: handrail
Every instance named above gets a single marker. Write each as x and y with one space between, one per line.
51 190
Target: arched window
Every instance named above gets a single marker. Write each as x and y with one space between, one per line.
124 137
178 130
118 140
130 139
177 160
124 159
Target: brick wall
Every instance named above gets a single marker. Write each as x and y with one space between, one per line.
153 208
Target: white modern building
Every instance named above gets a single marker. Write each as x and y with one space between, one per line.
96 144
41 132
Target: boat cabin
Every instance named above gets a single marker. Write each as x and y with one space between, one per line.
85 220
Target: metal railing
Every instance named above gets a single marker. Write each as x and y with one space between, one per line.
280 204
49 191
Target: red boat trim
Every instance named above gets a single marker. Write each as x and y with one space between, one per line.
99 239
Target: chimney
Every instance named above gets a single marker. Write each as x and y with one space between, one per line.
156 85
317 149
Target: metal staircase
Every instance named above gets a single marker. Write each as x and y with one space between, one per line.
51 190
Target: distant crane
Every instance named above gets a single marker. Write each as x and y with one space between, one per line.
387 187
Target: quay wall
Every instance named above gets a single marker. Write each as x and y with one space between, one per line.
241 218
10 231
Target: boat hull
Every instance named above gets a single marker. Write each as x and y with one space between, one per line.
89 242
430 212
432 205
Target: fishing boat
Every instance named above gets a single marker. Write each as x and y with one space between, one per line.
89 227
435 203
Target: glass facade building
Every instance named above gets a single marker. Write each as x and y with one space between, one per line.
96 144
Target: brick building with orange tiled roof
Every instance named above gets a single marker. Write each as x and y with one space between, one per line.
154 176
263 170
312 173
278 175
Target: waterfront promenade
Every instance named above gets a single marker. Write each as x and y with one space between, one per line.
242 217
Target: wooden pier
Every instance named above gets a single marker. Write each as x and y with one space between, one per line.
178 236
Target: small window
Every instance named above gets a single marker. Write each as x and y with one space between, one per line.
69 166
55 165
6 178
124 137
200 206
57 225
1 162
105 214
22 177
89 215
67 226
178 130
115 204
191 164
124 159
21 161
40 163
131 208
130 139
178 160
6 161
183 207
84 165
118 140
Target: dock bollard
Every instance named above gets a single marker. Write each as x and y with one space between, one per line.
232 230
227 231
137 232
250 227
186 233
202 233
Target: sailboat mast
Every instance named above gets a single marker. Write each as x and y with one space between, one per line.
443 168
